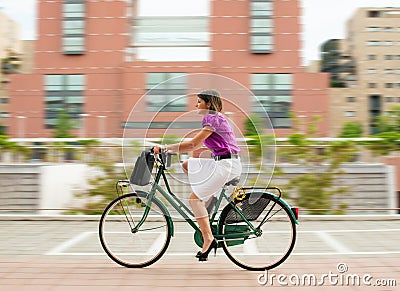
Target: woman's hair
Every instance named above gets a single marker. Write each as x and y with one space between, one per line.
213 97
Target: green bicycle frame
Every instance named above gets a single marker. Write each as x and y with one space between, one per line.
186 213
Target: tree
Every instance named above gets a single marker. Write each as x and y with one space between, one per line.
315 188
63 126
351 129
102 190
389 122
388 131
253 125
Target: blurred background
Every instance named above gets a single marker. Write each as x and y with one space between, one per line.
317 81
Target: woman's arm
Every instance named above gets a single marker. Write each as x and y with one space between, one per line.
187 146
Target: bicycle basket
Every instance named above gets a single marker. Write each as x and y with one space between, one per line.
141 173
251 209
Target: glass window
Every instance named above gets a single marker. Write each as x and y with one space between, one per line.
73 25
373 28
350 114
260 8
74 10
273 94
371 85
351 99
373 43
53 82
371 57
167 92
63 92
261 26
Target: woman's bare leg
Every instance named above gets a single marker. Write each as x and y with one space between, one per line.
201 215
185 166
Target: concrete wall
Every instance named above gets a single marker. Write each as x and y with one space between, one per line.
28 187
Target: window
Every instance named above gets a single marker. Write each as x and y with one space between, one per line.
351 99
373 43
4 100
389 99
388 71
167 34
388 57
63 93
371 71
371 85
350 114
261 26
273 95
373 13
73 26
166 92
373 29
371 57
388 85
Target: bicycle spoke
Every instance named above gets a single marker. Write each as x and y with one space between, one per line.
273 240
136 247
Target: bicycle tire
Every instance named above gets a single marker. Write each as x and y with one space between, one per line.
117 222
258 253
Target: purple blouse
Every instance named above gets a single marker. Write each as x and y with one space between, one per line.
222 141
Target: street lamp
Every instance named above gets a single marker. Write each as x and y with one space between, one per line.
21 125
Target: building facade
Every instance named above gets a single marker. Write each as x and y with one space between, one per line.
367 68
10 50
132 68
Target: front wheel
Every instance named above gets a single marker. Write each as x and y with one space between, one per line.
275 237
127 244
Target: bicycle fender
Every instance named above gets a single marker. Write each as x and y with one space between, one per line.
287 206
163 207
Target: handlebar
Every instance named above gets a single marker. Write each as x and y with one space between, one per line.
165 157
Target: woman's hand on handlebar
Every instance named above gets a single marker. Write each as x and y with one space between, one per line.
157 149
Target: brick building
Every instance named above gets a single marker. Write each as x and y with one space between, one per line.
98 60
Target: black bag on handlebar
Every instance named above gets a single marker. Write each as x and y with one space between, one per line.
141 173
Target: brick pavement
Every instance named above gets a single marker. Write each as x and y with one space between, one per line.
23 265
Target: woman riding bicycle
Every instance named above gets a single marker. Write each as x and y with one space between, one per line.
208 176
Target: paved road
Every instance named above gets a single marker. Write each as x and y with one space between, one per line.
54 254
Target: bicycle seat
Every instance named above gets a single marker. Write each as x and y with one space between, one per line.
233 182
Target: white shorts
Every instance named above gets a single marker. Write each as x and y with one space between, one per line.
207 176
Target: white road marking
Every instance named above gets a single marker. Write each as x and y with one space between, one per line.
157 244
67 244
250 247
339 248
332 242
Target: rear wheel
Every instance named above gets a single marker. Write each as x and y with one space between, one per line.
126 245
274 240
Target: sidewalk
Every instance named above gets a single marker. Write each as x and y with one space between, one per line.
362 248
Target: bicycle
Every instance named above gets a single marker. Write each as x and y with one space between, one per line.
256 229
